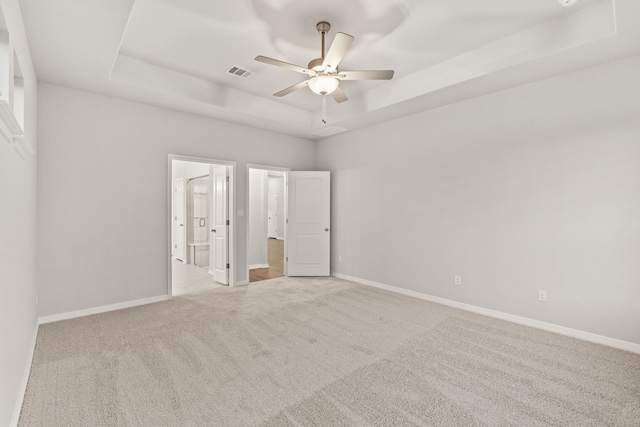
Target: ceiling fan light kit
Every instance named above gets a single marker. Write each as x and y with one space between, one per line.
323 85
324 77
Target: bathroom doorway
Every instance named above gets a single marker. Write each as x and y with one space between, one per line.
201 243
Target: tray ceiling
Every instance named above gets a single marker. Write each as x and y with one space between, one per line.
176 53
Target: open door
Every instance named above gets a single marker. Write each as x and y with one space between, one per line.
220 225
308 232
179 231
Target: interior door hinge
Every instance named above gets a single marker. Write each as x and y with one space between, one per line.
227 222
227 179
287 220
228 265
287 259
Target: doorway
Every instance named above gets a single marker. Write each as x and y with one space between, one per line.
201 233
266 231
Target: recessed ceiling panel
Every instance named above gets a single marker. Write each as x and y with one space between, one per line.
156 50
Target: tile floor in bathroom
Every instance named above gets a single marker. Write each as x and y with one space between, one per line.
189 279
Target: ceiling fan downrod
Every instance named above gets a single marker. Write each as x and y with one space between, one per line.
323 28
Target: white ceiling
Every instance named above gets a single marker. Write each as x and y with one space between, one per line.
175 53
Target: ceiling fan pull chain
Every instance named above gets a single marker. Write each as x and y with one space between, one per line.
324 109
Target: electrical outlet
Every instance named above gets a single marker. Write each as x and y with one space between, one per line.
457 280
542 295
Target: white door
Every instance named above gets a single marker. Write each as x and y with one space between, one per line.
273 215
308 233
220 226
178 219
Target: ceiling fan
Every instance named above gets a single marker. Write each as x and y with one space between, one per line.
324 76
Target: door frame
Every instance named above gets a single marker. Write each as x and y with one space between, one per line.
247 202
184 224
231 208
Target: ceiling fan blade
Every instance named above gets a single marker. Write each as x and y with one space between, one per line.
283 64
366 75
339 96
293 88
336 52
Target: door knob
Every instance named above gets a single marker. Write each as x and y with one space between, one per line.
213 231
326 229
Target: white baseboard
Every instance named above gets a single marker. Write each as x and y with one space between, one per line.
251 267
575 333
101 309
25 379
241 283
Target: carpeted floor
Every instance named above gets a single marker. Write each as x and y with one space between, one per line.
320 352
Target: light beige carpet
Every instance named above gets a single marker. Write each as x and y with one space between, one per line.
320 352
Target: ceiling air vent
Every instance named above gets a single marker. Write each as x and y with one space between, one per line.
240 72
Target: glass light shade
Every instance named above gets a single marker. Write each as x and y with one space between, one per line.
323 85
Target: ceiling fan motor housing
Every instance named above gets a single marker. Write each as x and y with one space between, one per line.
316 65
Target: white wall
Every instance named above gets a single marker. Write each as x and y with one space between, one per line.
536 187
103 192
258 252
276 185
17 235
